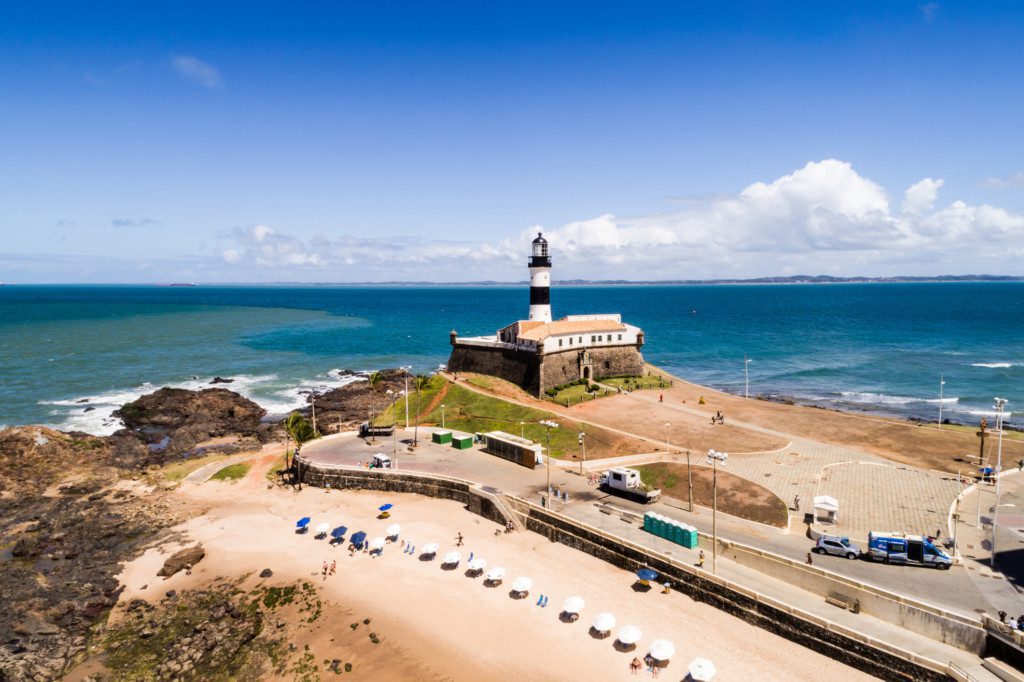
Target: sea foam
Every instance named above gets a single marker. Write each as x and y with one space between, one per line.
993 365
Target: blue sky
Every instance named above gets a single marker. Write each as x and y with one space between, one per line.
351 142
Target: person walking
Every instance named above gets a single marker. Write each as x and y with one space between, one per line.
809 562
458 539
796 502
334 565
1020 465
661 397
635 665
700 559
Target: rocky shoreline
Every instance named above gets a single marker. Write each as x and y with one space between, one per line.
76 507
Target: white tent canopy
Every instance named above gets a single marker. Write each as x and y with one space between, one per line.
573 605
430 548
377 543
604 622
393 530
477 565
451 558
496 573
522 584
701 670
323 528
629 634
662 650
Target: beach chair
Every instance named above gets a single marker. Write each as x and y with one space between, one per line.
544 599
470 557
539 600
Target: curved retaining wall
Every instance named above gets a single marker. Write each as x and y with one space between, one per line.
856 650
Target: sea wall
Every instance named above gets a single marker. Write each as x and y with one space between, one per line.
478 501
830 639
520 367
564 366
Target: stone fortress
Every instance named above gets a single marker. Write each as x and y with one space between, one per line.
538 353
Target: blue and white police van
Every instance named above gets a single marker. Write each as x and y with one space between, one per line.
900 548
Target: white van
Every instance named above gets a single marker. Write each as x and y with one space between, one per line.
381 461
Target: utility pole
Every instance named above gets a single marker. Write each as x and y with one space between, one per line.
689 479
1000 402
746 375
550 425
942 383
714 458
312 402
583 450
442 415
981 435
407 395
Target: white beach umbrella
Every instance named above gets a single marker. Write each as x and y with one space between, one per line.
604 622
323 528
393 530
477 565
662 650
377 543
701 670
522 584
573 605
629 634
430 548
451 558
496 573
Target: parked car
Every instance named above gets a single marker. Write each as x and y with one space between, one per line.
833 544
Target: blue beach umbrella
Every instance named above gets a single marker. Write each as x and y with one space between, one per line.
358 538
339 532
303 522
647 574
385 507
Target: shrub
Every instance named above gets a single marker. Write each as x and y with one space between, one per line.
552 392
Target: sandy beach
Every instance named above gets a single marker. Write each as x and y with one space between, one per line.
440 624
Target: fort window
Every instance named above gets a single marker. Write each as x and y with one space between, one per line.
620 337
559 343
592 338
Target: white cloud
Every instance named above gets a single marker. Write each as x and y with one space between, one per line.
231 256
920 197
1015 180
197 71
824 218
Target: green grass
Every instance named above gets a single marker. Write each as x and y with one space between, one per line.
573 395
233 472
395 412
179 470
481 381
636 383
471 412
279 463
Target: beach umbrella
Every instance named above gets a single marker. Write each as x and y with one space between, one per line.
701 670
385 507
322 528
339 532
477 565
393 530
378 543
573 605
496 574
629 634
522 584
430 548
662 650
451 558
303 522
647 574
358 538
604 622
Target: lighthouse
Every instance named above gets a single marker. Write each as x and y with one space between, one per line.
540 280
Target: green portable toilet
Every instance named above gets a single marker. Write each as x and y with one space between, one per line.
647 522
441 437
692 538
680 537
675 532
461 442
687 533
658 525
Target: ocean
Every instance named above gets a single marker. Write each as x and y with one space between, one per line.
879 348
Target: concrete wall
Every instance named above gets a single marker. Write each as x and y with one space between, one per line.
536 373
520 367
937 624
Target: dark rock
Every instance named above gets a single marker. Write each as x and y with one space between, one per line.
171 594
345 406
179 560
221 380
266 573
89 409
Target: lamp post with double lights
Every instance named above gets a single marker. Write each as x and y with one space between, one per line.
550 425
715 459
1000 403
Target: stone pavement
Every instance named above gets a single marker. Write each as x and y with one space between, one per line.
1000 587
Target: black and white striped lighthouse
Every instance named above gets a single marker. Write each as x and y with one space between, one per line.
540 281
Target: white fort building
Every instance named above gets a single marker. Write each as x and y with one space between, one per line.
539 353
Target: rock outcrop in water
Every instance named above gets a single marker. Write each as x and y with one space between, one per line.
344 407
188 418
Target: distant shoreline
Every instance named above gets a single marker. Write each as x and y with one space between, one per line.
795 279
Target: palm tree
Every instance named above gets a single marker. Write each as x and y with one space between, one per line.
419 383
375 379
300 430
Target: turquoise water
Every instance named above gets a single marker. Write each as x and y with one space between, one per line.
875 347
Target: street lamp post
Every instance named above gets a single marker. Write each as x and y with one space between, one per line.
406 393
522 429
668 438
442 415
689 479
583 450
746 376
550 425
714 459
1000 402
942 384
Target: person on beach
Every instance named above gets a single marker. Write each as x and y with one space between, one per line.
635 665
809 563
796 502
661 397
324 571
334 565
1020 465
458 539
